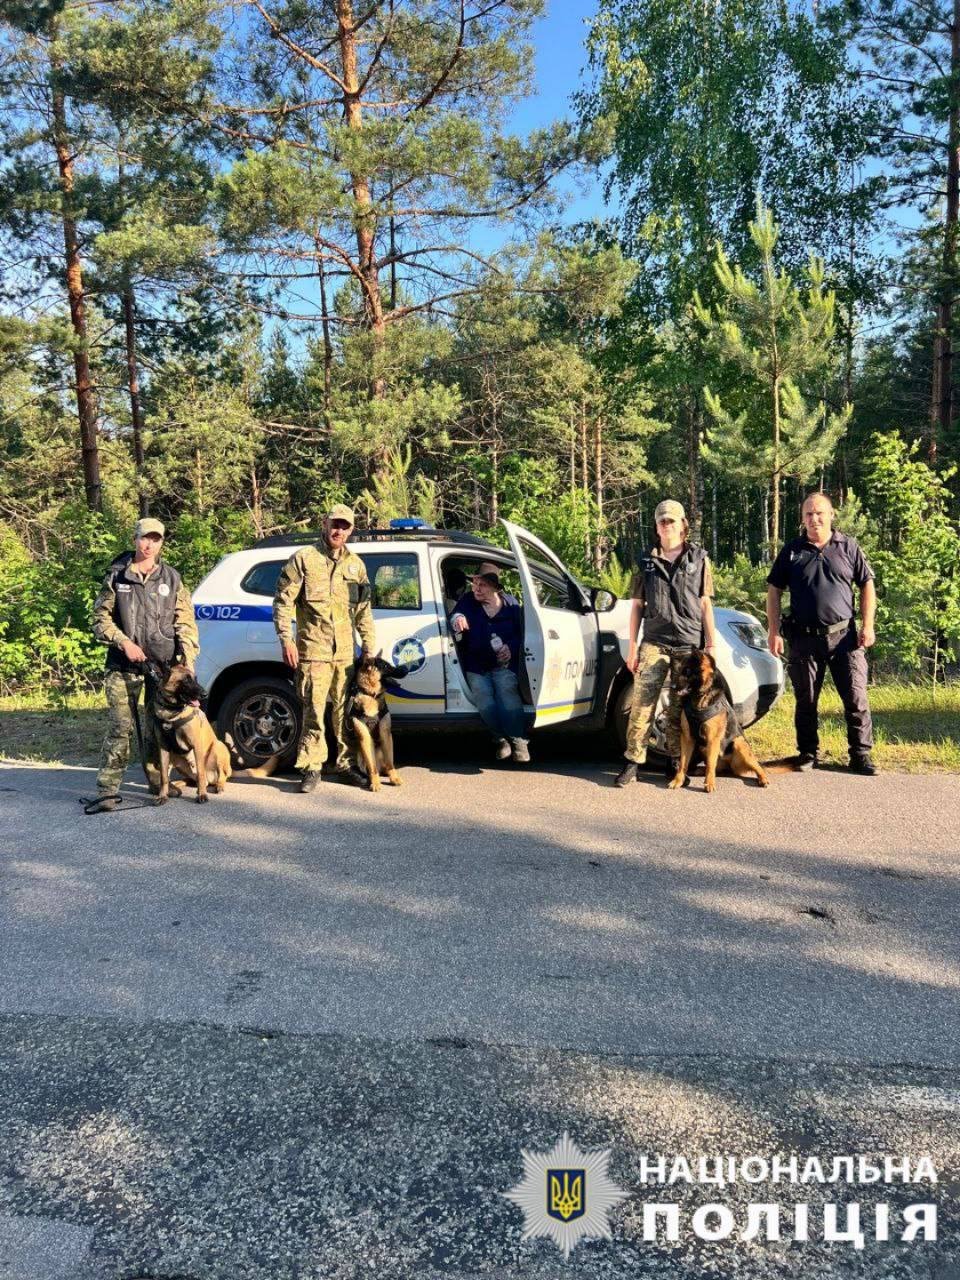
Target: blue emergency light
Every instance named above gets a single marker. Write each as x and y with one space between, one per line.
408 522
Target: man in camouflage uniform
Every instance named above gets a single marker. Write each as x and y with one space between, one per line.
326 588
672 599
143 611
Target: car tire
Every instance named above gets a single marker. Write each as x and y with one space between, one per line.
619 717
261 718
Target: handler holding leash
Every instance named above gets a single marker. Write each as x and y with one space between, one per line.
327 588
820 570
671 596
143 612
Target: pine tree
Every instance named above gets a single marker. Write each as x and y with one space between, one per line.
779 340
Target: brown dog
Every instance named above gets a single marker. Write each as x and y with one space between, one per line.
186 739
709 724
368 720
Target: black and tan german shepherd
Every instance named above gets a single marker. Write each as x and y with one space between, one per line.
708 724
367 720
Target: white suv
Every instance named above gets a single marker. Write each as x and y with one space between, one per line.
575 639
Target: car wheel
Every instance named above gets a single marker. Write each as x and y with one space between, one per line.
620 717
261 718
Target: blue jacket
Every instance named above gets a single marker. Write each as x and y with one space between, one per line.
473 647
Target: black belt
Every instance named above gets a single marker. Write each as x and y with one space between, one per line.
824 629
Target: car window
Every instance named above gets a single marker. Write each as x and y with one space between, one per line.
394 579
456 572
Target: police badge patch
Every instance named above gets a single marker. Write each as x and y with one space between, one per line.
566 1194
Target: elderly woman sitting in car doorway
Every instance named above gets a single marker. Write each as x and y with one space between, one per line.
489 631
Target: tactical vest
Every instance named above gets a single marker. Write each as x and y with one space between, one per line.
672 614
145 611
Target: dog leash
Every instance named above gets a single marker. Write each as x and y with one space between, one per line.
92 806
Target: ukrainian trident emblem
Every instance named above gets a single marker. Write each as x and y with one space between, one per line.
566 1194
566 1198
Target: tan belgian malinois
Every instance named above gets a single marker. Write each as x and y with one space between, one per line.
185 736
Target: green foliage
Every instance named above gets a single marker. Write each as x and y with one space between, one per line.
741 584
45 603
916 557
778 340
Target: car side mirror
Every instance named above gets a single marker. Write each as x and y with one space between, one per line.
602 600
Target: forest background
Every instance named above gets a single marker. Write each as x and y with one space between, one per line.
264 255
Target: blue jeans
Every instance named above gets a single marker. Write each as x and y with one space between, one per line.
497 698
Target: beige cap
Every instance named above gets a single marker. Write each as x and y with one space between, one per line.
341 512
149 526
669 510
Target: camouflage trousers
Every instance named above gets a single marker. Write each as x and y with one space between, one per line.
122 688
654 667
316 681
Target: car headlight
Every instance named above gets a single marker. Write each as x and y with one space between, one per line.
751 633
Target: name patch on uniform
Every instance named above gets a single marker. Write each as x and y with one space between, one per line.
163 589
124 586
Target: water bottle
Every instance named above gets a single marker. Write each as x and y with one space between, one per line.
496 644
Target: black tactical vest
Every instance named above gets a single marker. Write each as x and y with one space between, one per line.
671 615
145 611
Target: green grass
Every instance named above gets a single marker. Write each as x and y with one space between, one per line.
916 729
37 728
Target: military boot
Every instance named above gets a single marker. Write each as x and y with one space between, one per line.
310 780
626 775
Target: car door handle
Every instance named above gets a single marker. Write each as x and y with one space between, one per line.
552 635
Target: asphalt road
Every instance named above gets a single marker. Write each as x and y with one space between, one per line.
280 1035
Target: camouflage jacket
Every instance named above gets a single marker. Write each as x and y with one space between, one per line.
330 598
156 613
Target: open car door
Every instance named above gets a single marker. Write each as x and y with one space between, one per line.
560 632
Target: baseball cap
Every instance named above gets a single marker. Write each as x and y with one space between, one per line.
669 510
341 512
149 526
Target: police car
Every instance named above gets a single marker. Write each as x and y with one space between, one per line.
575 639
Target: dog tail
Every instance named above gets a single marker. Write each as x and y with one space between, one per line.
786 764
265 769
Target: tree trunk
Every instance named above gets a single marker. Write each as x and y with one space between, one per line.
941 400
494 478
364 217
694 469
573 452
256 502
585 481
327 346
773 532
133 383
598 549
86 395
198 479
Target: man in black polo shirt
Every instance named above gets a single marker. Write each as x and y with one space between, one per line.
820 570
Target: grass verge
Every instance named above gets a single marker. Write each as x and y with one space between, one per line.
917 730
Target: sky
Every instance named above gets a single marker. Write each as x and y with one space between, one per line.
558 39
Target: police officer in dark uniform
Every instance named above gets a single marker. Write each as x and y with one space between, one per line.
820 570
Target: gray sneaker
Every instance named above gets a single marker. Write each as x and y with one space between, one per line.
521 752
503 749
310 781
806 761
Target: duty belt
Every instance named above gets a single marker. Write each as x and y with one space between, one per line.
824 629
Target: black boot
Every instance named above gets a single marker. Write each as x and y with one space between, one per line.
626 775
310 781
863 764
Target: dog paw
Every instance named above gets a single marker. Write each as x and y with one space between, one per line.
216 788
395 778
374 784
675 782
709 785
202 799
175 790
161 800
764 781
